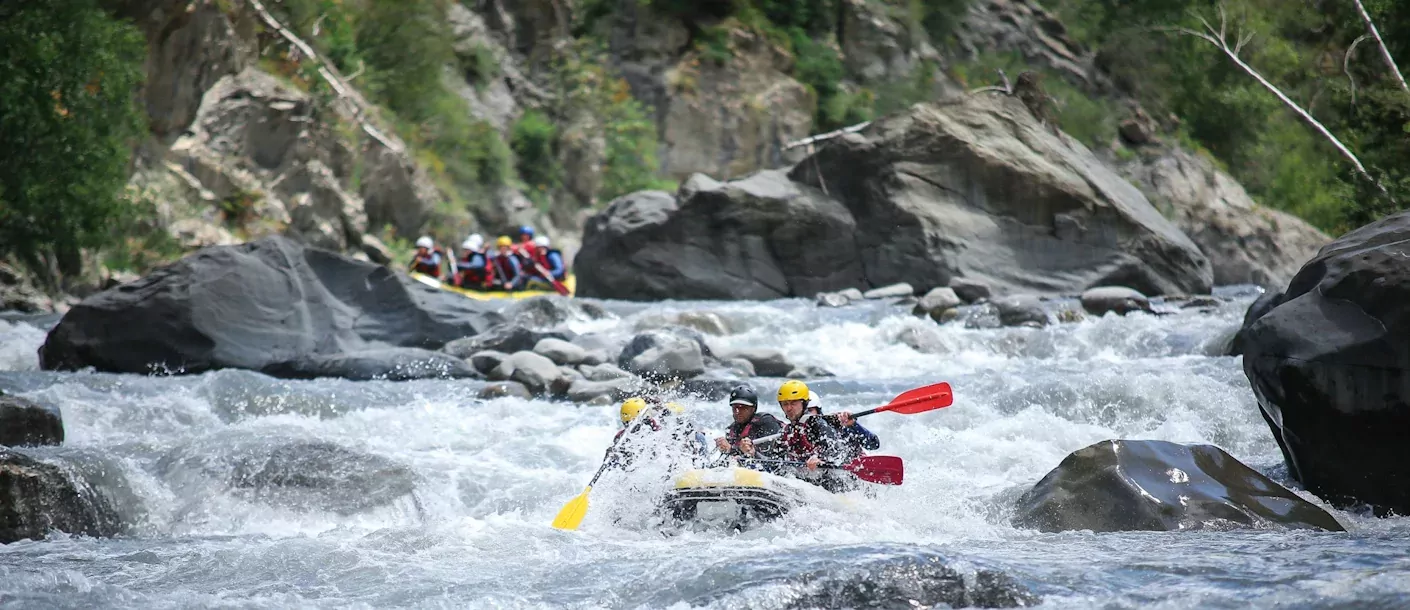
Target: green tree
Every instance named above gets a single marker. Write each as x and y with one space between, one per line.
407 46
68 121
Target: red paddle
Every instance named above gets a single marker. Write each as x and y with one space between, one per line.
557 285
882 469
910 402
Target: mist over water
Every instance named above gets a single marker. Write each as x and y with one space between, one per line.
457 509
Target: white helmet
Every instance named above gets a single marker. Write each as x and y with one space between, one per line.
425 242
541 241
814 402
474 242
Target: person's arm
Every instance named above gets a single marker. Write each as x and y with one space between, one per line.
517 280
556 267
862 436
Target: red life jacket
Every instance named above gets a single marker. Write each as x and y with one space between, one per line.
796 442
429 264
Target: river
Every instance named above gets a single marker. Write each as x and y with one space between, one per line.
489 476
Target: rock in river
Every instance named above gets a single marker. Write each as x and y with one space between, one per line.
1329 362
36 497
969 187
1121 485
24 422
253 305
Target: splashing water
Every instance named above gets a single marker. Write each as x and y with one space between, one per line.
457 509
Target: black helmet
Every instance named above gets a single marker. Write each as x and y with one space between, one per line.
745 395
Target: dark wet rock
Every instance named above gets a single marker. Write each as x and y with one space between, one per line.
560 351
910 583
507 338
536 372
37 498
947 316
766 362
318 475
1261 306
887 292
545 312
1330 365
809 372
487 361
567 376
1023 310
1201 302
970 290
1123 485
586 391
253 305
393 364
24 422
504 389
502 371
663 355
603 372
1120 299
713 386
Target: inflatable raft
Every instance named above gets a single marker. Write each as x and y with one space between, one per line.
571 282
740 498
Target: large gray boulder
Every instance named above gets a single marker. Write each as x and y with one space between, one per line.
1246 243
1122 485
972 187
254 305
391 363
1329 362
662 355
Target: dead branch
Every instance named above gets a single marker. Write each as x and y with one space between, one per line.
826 136
1218 37
330 75
1346 64
1385 53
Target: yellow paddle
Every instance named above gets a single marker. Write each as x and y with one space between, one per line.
572 513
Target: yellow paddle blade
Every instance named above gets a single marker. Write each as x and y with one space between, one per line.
571 516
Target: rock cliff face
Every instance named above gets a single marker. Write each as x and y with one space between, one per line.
972 187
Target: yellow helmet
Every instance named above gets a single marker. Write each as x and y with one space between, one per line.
674 408
631 407
793 390
504 241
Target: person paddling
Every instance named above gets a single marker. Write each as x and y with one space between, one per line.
641 418
472 268
858 440
748 423
427 260
504 265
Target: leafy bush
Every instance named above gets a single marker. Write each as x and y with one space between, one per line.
535 142
68 118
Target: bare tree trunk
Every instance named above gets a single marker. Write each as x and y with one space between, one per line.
1385 53
1219 39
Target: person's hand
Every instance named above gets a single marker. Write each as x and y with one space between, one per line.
813 463
746 446
508 286
845 418
722 445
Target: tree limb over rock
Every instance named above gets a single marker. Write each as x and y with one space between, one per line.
1219 38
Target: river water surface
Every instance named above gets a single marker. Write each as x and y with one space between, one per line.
489 476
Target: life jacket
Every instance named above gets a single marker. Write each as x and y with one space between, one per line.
470 270
736 432
429 264
501 267
808 437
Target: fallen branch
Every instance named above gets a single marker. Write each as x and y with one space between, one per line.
826 136
330 75
1219 38
1385 53
1346 64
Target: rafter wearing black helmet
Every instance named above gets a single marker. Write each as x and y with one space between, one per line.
748 422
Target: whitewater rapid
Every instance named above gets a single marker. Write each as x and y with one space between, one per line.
488 477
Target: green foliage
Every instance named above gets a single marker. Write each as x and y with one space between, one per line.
1300 47
479 65
407 46
138 245
535 141
68 120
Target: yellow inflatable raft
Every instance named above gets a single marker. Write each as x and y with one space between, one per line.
571 282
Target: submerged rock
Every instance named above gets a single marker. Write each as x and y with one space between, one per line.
24 422
1122 485
911 583
507 338
936 302
1329 362
37 498
1120 299
319 475
1023 310
504 389
394 364
253 305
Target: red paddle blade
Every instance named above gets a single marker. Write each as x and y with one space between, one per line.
920 400
883 469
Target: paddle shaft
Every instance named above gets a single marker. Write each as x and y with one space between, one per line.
773 437
557 285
